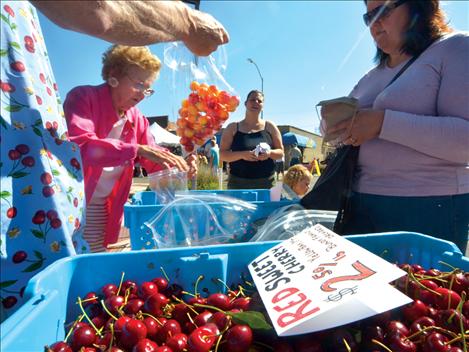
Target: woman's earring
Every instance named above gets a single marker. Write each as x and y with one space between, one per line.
113 82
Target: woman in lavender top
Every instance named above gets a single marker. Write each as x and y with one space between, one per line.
413 167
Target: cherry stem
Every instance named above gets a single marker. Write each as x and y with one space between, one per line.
347 345
120 283
88 318
270 348
422 285
210 307
80 318
87 300
448 265
149 315
382 345
224 284
218 342
164 273
107 310
200 278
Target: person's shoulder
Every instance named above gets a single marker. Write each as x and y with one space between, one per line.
86 90
450 43
231 126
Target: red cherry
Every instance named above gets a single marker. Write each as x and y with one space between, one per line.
221 320
9 302
39 217
11 212
397 326
163 349
161 283
219 300
421 323
14 154
148 289
307 344
28 161
414 310
452 320
75 202
447 298
9 10
177 342
242 303
74 162
133 306
145 345
7 87
47 191
22 149
52 214
42 78
238 338
19 257
29 43
113 303
61 346
460 283
132 331
435 342
91 298
17 66
153 326
170 328
400 343
49 91
55 223
39 100
202 318
84 336
109 290
119 323
55 87
201 339
154 304
46 178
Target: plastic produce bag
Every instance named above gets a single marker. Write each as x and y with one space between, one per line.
166 182
199 219
201 96
288 221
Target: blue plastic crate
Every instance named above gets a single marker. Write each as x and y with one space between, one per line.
248 195
144 208
51 294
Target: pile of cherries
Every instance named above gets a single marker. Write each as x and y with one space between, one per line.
203 113
155 316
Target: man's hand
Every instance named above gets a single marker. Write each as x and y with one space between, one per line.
205 34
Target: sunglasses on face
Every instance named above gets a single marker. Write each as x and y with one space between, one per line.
141 87
381 12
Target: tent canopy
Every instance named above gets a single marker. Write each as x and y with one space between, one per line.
290 138
162 136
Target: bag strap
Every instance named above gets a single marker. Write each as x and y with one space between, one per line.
401 71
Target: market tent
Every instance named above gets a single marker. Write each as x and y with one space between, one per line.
290 138
162 136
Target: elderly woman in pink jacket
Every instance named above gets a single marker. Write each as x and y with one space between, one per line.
113 134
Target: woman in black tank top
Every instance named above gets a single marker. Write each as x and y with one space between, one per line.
238 142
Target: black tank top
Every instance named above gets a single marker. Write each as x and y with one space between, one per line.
248 141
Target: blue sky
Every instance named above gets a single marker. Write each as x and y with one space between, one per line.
306 51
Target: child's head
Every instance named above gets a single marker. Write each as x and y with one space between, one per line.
298 178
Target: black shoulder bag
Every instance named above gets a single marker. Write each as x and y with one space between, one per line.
333 189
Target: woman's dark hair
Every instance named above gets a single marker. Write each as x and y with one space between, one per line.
254 91
427 24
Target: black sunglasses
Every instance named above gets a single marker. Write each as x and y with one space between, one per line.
381 12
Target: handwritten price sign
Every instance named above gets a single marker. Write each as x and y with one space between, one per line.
317 280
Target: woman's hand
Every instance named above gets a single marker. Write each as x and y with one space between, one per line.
264 156
249 155
162 157
364 126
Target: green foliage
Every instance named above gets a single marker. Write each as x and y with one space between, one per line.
206 179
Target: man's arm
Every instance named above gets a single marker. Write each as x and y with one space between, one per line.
138 22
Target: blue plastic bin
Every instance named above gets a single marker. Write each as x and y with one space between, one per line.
52 293
248 195
144 208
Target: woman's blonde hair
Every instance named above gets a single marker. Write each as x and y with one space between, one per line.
295 174
120 57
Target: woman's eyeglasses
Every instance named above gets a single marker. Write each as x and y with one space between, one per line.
141 87
380 12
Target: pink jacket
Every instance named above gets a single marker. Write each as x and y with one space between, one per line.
90 116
